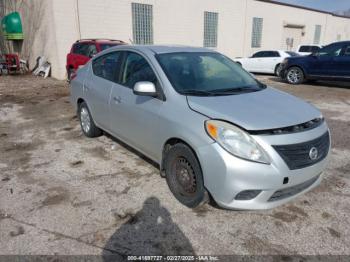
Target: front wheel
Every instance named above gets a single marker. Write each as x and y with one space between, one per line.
184 176
295 75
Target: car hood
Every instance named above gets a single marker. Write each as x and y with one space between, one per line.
265 109
296 59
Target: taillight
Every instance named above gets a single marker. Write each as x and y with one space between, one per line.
73 75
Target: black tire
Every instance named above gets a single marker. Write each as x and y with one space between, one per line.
84 114
278 70
184 176
295 75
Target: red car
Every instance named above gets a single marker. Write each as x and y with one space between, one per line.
82 51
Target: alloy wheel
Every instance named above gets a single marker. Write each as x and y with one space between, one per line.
294 76
85 120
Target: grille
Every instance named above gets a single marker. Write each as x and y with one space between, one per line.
297 156
291 191
290 129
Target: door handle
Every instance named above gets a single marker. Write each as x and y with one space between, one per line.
117 99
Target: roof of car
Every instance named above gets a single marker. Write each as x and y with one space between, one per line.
343 42
162 49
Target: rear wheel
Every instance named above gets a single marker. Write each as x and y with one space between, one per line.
184 176
86 122
295 75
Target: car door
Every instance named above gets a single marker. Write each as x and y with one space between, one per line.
253 64
98 88
134 118
325 63
269 61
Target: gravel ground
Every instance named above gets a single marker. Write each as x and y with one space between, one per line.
63 193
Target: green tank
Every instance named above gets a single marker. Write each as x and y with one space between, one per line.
12 26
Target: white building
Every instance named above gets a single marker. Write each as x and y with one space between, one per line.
233 27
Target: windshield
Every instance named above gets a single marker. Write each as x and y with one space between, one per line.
197 73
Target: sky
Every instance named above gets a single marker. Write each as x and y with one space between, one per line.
326 5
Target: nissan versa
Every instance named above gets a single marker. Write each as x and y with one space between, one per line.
212 128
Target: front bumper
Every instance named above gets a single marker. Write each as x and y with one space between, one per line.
226 175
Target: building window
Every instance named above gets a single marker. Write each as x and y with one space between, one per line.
142 23
317 36
257 31
210 29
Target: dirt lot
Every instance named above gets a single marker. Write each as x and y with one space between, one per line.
62 193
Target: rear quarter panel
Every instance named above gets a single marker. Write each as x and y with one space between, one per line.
77 85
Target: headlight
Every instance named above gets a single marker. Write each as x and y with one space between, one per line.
236 141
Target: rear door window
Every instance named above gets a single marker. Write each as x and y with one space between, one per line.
107 66
266 54
272 54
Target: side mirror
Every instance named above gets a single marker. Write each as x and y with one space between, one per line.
145 89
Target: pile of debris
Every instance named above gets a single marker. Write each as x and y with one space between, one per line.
12 64
42 67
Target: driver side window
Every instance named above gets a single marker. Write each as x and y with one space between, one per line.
332 50
137 69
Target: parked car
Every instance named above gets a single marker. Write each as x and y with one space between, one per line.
265 61
331 62
211 127
83 50
308 49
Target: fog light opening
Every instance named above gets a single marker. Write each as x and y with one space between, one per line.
247 194
285 180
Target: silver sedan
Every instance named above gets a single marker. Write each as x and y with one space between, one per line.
213 129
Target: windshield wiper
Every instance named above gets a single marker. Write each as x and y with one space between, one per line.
198 92
236 90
